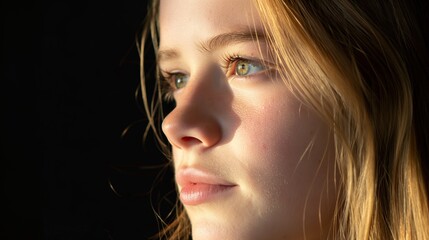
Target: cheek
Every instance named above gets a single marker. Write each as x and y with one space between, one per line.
277 133
282 145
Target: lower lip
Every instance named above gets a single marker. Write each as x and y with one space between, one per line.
195 194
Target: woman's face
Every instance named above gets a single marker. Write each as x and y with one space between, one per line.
251 161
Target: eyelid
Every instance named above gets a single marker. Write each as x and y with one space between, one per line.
166 75
230 62
168 86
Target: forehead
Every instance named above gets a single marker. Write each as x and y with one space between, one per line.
198 20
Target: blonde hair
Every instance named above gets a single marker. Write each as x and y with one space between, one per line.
362 66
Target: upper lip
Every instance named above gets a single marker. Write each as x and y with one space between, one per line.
189 176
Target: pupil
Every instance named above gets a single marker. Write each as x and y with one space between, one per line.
243 68
179 81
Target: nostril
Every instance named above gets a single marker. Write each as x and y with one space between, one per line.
189 139
190 125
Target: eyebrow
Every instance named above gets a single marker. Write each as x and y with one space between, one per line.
217 42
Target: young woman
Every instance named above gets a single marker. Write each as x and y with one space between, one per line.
294 119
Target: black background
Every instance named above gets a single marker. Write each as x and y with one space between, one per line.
70 70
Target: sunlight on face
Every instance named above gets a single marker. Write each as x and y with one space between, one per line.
251 161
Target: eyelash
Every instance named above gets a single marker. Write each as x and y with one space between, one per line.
228 61
228 64
167 86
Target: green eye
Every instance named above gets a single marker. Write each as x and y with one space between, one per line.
180 80
245 67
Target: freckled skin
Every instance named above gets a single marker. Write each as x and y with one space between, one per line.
249 131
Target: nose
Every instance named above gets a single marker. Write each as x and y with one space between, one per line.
194 122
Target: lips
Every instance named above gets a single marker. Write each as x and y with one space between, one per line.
199 186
